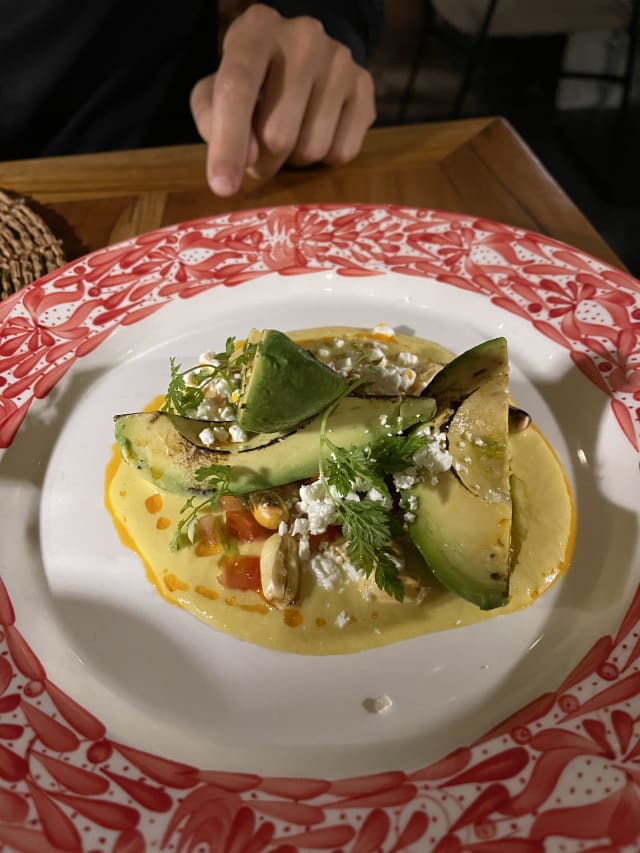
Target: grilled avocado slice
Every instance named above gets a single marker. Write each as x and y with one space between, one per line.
463 520
166 450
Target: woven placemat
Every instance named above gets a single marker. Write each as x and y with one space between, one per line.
28 249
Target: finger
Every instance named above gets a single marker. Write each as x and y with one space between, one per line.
288 88
253 152
245 59
201 98
200 103
358 114
324 110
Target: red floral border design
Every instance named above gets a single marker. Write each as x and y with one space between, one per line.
566 767
582 304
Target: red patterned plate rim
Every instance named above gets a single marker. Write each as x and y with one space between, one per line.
66 785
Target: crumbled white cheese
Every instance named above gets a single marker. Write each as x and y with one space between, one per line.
405 479
378 704
342 619
228 413
282 528
332 568
391 379
374 494
207 410
207 437
326 571
434 458
316 503
407 358
221 388
351 495
213 435
236 433
300 526
384 330
209 359
344 365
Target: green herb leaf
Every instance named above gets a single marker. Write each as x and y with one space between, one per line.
346 469
394 453
183 396
215 478
369 526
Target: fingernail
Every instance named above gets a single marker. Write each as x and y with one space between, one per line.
222 185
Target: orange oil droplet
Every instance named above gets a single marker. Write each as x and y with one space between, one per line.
254 608
163 522
206 592
320 622
293 618
173 583
232 601
153 503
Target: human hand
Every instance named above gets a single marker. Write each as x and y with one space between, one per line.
285 92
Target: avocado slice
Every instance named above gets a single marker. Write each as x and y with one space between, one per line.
478 437
467 372
463 520
191 428
152 443
284 384
464 539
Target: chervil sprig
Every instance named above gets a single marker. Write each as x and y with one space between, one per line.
394 453
369 526
217 480
184 396
345 470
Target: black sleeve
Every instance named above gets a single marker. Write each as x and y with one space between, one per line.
356 23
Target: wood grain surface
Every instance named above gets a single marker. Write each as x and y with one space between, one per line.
475 166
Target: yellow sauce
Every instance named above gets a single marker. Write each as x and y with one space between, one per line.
543 538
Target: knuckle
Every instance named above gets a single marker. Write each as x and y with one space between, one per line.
310 152
258 15
277 138
307 27
365 85
234 80
343 153
342 58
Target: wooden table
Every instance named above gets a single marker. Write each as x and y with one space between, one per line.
475 166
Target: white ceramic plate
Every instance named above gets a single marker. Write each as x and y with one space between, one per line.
154 728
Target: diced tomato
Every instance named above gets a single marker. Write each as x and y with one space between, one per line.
243 526
230 502
240 571
318 539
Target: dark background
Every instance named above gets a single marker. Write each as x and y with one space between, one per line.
572 125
